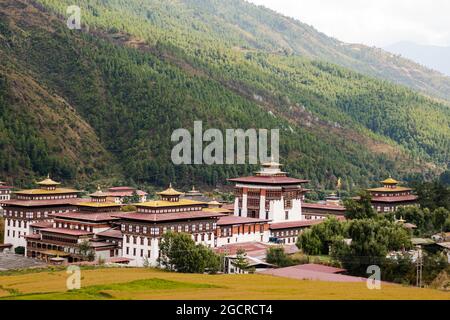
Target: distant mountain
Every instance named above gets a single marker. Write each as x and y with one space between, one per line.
103 101
434 57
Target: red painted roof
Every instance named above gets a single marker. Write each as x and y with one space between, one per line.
161 217
40 203
6 187
33 236
123 188
42 224
123 193
230 220
70 232
87 216
294 224
320 268
300 273
323 206
118 260
268 180
111 233
395 199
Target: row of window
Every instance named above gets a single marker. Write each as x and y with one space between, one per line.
179 228
73 226
11 222
19 233
391 194
58 197
173 210
141 252
31 215
286 233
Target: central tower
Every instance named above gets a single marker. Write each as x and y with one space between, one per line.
269 194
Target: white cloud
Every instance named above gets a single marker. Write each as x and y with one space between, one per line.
372 22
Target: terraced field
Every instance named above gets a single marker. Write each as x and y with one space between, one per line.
133 283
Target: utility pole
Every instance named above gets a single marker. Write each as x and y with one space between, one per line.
419 267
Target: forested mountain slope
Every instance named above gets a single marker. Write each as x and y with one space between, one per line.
246 26
129 84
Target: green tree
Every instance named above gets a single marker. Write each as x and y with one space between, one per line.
278 257
178 252
241 260
371 241
318 239
360 208
134 198
86 251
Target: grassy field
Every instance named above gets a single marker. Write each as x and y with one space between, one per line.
134 283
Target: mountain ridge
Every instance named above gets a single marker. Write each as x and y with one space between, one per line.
434 57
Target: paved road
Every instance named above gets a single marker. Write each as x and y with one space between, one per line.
9 261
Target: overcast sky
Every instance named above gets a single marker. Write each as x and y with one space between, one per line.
372 22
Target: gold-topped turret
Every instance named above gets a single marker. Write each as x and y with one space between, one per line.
170 194
98 196
48 183
390 181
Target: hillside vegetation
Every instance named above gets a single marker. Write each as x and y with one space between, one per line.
127 80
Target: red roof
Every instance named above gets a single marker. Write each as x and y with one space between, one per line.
70 232
323 206
42 224
33 236
301 273
230 220
118 260
295 224
395 199
6 187
87 216
268 180
121 189
40 203
124 193
111 233
161 217
320 268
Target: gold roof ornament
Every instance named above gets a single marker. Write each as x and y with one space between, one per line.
390 181
48 182
98 193
339 184
271 163
170 192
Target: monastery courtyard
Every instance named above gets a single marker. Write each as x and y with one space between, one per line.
146 283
